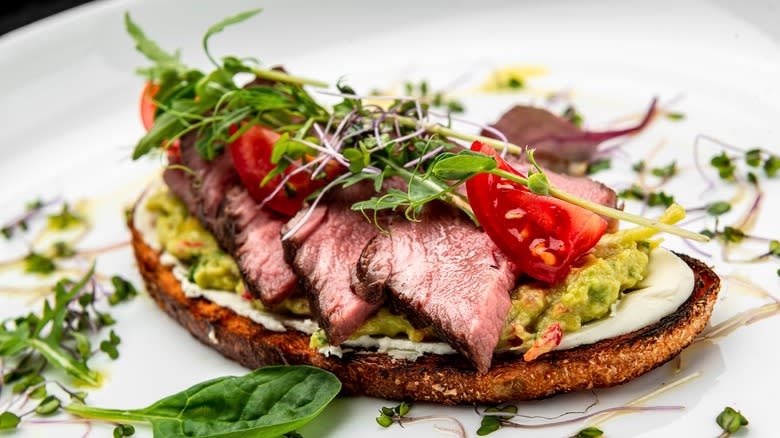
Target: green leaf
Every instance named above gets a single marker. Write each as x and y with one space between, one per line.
753 157
660 198
489 425
771 166
675 116
598 166
48 406
590 432
774 248
35 263
732 235
384 420
9 420
718 208
667 171
265 403
123 430
730 420
462 166
219 27
123 290
163 60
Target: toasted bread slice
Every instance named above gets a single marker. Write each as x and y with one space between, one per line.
448 379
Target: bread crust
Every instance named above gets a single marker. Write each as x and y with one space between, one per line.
447 379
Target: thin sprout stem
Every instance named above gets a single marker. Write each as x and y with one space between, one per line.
278 76
647 397
364 96
412 420
436 128
287 177
488 128
613 410
313 205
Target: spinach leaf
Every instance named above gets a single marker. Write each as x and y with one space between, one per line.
268 402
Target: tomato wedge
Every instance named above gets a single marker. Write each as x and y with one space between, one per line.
543 235
148 109
147 105
251 154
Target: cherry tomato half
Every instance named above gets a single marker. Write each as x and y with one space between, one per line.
147 106
148 110
251 154
543 235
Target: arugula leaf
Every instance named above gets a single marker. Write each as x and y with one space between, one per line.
268 402
164 61
219 27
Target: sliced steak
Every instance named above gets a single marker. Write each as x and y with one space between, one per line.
242 228
257 247
324 252
446 273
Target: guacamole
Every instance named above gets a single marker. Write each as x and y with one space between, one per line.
184 237
616 264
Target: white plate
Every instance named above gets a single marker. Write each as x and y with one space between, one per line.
69 108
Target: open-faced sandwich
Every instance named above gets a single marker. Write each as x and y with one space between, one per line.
364 239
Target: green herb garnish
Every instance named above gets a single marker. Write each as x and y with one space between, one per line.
730 420
389 415
494 421
66 219
35 263
718 208
590 432
667 171
598 166
268 402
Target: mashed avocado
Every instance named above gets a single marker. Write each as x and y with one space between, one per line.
184 237
586 294
616 264
385 323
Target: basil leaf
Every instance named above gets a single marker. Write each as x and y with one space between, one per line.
266 403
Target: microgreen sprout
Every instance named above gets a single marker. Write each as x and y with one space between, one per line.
589 432
730 421
21 222
398 414
65 219
667 171
59 337
598 166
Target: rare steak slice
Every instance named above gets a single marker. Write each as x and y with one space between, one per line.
324 252
257 247
243 229
444 272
